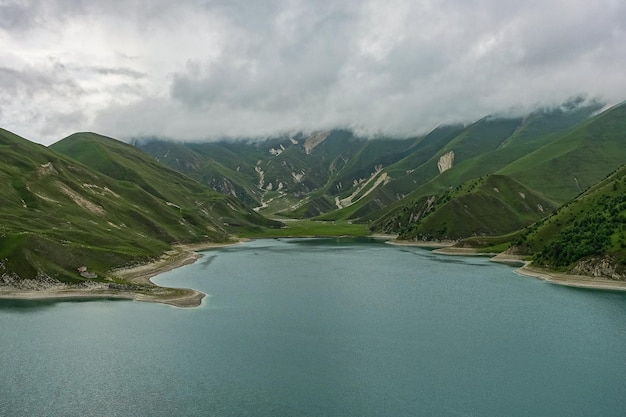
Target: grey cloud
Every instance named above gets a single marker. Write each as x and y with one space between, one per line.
278 71
32 81
32 103
12 80
55 122
127 72
200 69
14 16
574 34
26 15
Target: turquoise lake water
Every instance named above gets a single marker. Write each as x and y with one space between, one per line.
323 327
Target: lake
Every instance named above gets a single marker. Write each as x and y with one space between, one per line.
323 327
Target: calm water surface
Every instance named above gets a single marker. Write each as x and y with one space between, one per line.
323 328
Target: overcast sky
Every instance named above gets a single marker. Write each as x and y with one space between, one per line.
250 68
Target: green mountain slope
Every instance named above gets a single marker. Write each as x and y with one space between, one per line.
125 163
540 133
59 214
468 152
297 174
228 168
402 177
587 235
490 205
577 160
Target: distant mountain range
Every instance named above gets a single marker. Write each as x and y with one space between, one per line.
550 184
493 176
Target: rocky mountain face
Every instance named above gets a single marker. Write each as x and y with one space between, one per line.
601 267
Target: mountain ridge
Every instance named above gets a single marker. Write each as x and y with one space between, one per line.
65 222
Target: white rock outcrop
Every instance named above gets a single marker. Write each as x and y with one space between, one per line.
314 140
445 162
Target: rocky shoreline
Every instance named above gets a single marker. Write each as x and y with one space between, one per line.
526 269
137 282
571 280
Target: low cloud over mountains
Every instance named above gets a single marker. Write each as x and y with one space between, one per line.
207 69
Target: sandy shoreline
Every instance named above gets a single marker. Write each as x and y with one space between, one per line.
552 277
420 243
140 287
570 280
462 252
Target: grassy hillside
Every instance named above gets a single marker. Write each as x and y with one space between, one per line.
461 146
586 235
577 160
541 133
59 214
124 162
228 168
478 150
490 205
299 176
404 176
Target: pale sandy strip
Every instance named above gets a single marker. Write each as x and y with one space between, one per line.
569 280
558 278
179 256
461 252
421 243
